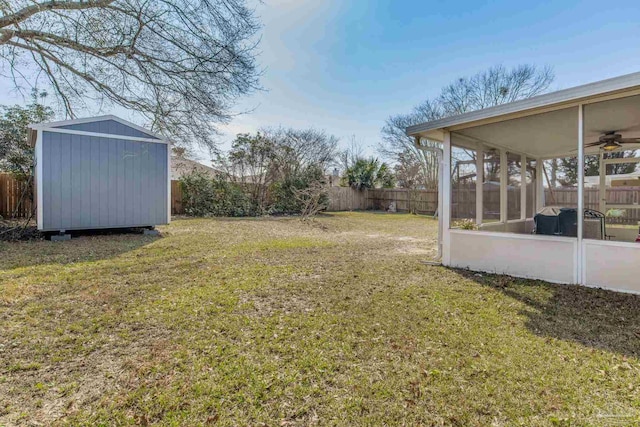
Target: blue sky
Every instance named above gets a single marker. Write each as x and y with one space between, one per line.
345 66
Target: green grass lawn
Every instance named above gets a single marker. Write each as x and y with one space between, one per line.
277 322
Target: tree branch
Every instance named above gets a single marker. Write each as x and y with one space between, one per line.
28 11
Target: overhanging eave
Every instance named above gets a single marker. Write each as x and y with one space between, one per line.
593 92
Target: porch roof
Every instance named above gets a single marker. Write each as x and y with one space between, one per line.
546 125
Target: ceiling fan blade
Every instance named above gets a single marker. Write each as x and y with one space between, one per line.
611 132
629 141
592 144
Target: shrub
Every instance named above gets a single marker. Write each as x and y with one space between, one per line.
204 195
616 213
312 199
300 192
288 195
465 224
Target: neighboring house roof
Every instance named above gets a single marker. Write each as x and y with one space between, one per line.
181 166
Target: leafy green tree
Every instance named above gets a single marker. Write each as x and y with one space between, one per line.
385 177
368 173
16 156
250 163
275 164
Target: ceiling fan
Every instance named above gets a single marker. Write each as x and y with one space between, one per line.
610 141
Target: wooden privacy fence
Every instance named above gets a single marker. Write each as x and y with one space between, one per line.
421 201
347 199
14 203
177 207
464 201
615 196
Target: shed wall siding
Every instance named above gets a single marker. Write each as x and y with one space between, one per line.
108 126
97 182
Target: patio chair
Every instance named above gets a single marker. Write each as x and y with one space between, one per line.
597 215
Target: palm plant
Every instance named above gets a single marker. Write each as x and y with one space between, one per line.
369 173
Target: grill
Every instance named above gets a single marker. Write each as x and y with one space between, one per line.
557 222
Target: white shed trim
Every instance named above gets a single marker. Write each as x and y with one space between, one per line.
47 126
39 178
101 135
168 182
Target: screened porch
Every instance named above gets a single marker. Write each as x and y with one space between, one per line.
534 192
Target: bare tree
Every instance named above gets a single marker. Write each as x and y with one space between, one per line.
497 85
180 63
312 199
409 171
298 149
397 143
410 175
350 155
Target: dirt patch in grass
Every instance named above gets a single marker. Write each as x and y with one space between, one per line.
273 321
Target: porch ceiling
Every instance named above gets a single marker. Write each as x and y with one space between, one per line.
555 133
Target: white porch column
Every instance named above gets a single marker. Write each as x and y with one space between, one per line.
446 199
523 187
602 191
504 178
580 272
479 184
539 184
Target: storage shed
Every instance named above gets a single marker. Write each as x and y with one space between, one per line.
100 172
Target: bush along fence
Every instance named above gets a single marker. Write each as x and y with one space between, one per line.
15 200
299 191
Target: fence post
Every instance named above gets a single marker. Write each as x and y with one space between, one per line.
366 199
